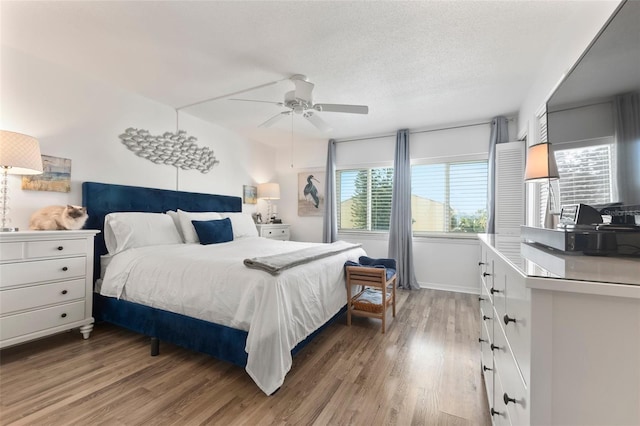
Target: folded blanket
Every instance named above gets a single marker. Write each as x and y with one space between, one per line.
276 263
388 264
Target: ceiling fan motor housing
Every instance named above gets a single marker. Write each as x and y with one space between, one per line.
298 105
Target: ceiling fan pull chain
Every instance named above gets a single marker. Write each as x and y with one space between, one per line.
292 141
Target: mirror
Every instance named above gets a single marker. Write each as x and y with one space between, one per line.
593 118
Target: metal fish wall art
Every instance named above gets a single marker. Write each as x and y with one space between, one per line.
173 149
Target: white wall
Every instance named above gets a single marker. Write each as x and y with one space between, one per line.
77 117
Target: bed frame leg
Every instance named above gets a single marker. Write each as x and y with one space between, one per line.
155 346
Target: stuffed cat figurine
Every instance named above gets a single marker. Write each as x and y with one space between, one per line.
58 217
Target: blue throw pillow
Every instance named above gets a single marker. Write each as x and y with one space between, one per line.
213 231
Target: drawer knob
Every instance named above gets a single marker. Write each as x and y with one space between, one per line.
493 290
64 315
485 274
64 268
494 347
480 299
484 317
507 319
507 400
60 248
481 263
495 413
485 368
64 292
481 340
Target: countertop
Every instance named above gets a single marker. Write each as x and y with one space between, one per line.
549 267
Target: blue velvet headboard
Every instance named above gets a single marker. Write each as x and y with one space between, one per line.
101 199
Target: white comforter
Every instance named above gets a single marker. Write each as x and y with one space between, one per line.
212 283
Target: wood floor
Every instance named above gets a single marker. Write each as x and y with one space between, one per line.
424 371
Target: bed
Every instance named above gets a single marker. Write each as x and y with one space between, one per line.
245 316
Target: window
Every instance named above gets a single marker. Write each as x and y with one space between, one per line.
365 198
449 197
585 175
445 197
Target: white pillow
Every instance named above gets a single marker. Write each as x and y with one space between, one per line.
176 221
136 229
188 231
242 224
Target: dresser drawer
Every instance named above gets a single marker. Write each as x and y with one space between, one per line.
19 299
500 416
41 319
486 356
518 332
54 248
11 251
511 381
43 270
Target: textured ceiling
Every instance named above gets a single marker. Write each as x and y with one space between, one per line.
415 64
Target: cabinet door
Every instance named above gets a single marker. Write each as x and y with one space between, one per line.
509 187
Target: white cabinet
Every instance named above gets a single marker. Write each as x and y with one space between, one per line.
46 284
557 350
275 231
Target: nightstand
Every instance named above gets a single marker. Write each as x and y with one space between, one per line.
274 231
47 284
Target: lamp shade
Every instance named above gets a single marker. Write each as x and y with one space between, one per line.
20 154
269 191
541 163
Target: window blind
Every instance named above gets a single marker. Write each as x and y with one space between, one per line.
449 197
365 198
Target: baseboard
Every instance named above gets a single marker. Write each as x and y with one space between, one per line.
449 287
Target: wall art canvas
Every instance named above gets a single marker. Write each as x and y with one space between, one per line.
311 193
56 176
249 194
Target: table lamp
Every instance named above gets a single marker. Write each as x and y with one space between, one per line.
269 191
541 165
19 155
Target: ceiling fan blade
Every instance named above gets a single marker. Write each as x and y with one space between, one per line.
351 109
303 88
317 121
231 94
256 100
270 122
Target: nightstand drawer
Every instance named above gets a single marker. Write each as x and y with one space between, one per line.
42 319
274 231
44 270
19 299
55 248
277 233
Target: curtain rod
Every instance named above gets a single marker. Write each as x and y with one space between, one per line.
417 131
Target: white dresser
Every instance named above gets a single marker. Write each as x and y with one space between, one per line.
560 336
46 284
275 231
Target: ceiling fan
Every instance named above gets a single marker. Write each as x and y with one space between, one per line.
300 101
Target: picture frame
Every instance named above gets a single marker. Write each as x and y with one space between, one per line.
56 176
249 194
311 193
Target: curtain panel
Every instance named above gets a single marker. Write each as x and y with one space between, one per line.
499 134
627 131
400 237
330 221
